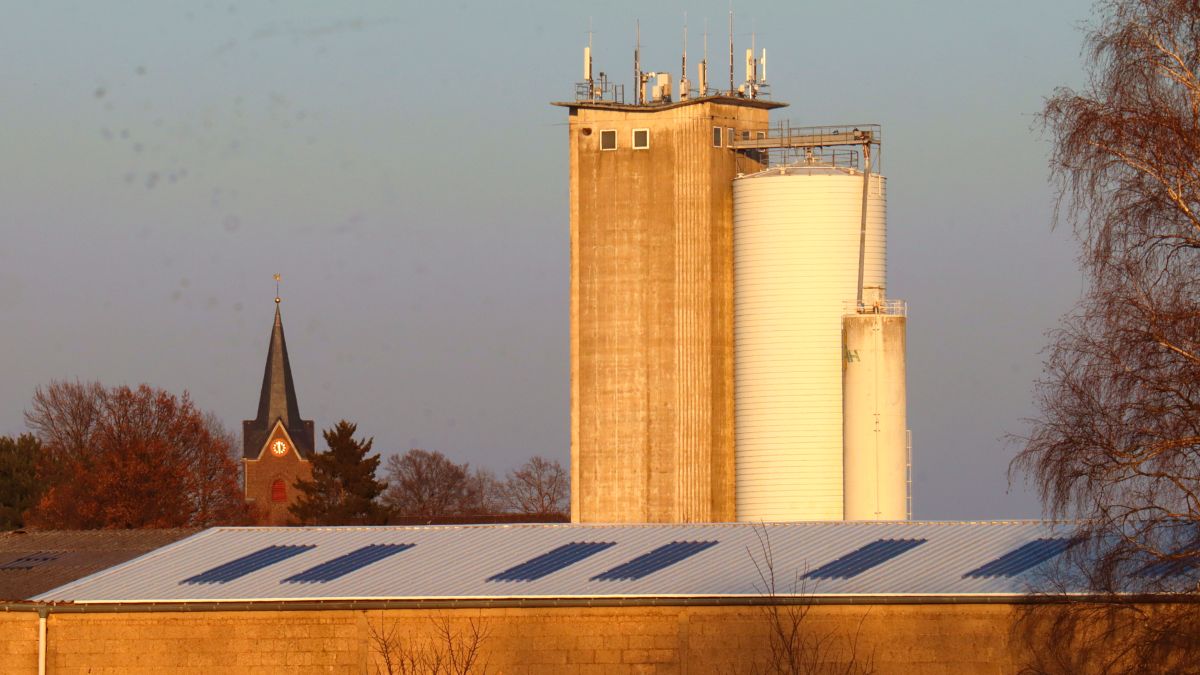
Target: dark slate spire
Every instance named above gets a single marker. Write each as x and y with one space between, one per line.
277 401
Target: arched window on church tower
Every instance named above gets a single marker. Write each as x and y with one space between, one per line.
278 491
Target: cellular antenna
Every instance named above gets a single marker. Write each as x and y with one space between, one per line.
731 49
752 64
587 63
683 81
637 64
683 72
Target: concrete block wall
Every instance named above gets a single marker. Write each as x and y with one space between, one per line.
18 642
968 639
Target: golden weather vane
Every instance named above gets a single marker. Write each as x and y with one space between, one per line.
277 288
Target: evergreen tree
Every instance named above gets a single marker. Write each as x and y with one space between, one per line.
20 486
343 488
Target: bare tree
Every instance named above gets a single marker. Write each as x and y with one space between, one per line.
484 494
1067 638
1116 442
795 646
422 483
539 487
445 650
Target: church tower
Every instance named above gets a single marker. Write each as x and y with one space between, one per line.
277 446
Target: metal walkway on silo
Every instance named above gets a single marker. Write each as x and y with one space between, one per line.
786 136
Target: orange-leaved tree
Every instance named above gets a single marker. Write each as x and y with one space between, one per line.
126 457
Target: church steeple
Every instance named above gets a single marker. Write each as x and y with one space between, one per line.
277 401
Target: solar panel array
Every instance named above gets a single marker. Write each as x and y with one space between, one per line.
553 561
1021 559
28 562
1178 564
240 567
658 559
859 561
345 564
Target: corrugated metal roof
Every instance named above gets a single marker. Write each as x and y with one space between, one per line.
461 562
52 558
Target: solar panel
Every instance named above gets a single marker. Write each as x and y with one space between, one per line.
1022 558
246 564
859 561
552 561
30 561
345 564
1170 567
649 563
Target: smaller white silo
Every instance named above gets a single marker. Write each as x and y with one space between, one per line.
874 436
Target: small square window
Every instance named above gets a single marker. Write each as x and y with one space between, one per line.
729 137
641 139
745 135
608 139
716 137
760 135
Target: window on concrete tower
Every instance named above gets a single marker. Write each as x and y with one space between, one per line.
716 137
641 139
608 139
278 491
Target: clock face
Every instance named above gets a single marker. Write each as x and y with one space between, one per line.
279 448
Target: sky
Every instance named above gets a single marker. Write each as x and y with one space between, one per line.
400 166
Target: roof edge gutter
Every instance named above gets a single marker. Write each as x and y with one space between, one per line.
45 608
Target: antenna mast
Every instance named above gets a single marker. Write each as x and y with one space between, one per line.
683 81
683 72
637 65
731 49
587 64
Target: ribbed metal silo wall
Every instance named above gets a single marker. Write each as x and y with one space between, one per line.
796 238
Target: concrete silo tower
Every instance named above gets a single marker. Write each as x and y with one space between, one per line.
652 298
721 271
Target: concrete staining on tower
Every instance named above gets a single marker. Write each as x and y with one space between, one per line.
657 190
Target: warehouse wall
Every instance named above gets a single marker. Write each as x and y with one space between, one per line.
697 640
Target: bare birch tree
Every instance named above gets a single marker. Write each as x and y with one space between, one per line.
1116 442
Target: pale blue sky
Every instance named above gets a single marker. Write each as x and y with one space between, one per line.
400 167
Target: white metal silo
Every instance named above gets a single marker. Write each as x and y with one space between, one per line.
874 409
796 253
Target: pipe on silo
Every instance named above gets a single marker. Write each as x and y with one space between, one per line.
874 436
